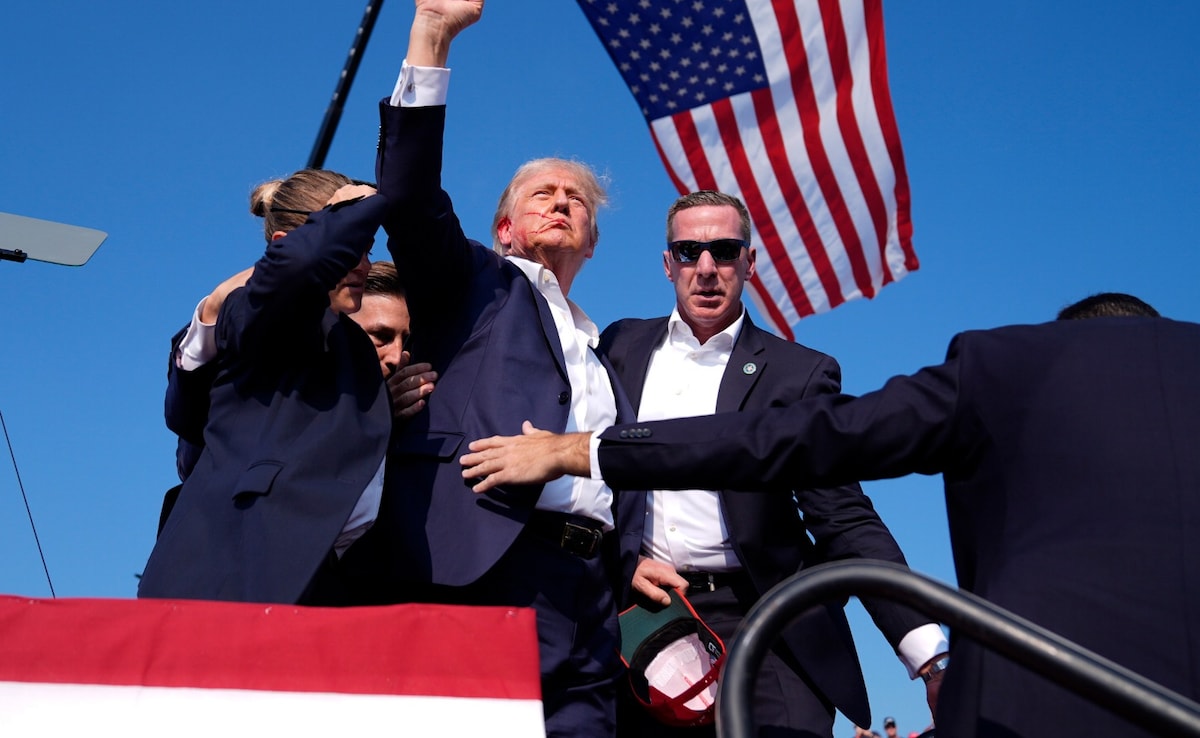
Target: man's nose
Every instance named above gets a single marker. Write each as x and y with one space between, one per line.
706 264
389 357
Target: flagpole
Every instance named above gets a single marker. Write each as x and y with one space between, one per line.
333 114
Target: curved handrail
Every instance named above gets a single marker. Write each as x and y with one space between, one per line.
1124 692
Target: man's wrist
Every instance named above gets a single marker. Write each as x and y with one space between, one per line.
935 669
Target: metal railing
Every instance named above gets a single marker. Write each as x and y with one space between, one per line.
1123 692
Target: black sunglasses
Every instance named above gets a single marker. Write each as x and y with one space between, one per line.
724 250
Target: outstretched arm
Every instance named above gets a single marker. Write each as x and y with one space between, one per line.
535 457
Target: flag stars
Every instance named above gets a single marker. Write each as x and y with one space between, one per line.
655 28
697 6
718 12
676 38
634 19
707 30
665 13
664 54
687 22
612 8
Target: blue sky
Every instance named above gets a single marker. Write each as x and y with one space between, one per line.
1051 149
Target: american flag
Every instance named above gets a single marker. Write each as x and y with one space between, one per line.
785 104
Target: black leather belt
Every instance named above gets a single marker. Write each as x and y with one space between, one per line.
574 534
711 581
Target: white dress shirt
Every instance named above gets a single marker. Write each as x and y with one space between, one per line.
686 528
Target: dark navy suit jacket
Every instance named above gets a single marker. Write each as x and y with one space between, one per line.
297 425
1070 453
769 536
490 336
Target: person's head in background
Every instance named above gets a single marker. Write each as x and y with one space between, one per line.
384 314
285 204
889 727
1108 305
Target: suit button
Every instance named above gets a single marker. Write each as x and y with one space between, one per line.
564 398
624 434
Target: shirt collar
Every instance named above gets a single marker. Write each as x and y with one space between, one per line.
547 284
679 331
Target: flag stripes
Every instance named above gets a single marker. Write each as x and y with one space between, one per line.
783 103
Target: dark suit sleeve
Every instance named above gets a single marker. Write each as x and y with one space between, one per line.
425 238
290 286
186 403
911 425
844 525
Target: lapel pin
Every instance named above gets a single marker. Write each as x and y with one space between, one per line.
749 368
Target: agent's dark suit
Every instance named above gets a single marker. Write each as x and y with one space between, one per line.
298 425
771 540
490 335
1070 457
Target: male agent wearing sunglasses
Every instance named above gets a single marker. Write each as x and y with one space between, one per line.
726 549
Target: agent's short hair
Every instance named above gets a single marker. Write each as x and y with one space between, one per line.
701 198
1107 305
383 279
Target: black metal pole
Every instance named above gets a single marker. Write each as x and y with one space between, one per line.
1103 682
333 114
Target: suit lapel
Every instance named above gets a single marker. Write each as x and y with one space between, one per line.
746 365
637 363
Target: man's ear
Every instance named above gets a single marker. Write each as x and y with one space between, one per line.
750 258
278 235
504 232
667 266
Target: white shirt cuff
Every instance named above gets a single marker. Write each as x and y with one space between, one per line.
199 345
594 455
420 87
920 646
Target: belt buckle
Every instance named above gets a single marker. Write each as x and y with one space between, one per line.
710 584
580 540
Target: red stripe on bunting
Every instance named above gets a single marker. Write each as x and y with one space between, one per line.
428 650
